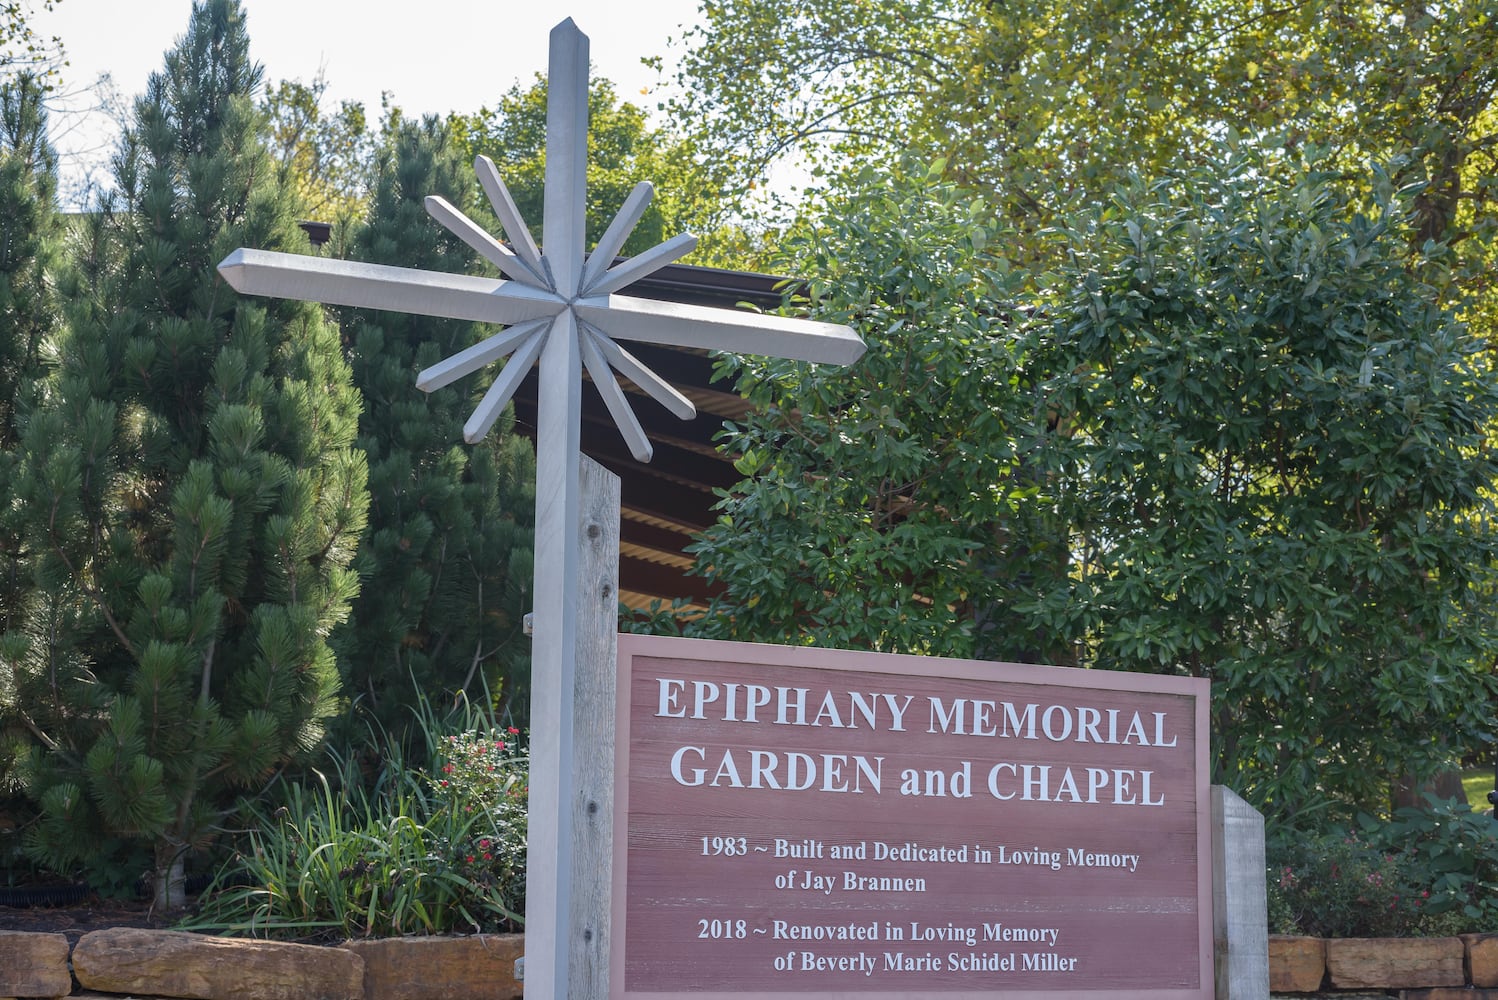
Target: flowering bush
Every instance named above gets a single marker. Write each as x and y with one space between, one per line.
1343 886
474 766
1426 872
481 783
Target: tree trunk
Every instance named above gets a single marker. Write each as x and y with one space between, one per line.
1444 784
168 880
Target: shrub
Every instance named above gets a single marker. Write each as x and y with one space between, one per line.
1454 852
418 852
1342 885
1431 871
482 795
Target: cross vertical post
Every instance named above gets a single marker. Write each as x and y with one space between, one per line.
590 939
558 421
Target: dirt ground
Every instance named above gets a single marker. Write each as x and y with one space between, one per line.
76 920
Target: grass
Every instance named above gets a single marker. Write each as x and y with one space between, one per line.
1478 782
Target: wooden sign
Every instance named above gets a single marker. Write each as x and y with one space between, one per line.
833 823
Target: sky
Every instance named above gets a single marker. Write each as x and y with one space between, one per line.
432 55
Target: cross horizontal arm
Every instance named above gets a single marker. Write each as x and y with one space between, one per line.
673 324
379 286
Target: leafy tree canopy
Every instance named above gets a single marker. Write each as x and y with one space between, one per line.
1228 433
1043 104
1272 467
869 491
22 50
1052 113
623 150
327 156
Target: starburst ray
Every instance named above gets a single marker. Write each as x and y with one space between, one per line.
613 398
509 214
614 237
631 368
505 385
491 249
485 352
639 266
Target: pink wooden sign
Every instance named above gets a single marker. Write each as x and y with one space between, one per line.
837 824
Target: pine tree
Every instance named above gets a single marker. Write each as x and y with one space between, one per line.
446 559
28 240
190 488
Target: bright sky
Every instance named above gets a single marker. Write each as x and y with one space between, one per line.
432 55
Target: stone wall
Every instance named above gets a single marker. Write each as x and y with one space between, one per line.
1463 967
145 964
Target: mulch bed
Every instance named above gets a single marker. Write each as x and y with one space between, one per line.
76 920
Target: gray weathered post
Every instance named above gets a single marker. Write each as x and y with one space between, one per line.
593 731
548 871
1240 919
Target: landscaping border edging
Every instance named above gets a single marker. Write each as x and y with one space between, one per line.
1309 965
149 964
482 966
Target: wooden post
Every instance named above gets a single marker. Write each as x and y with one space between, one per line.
593 732
1240 917
548 877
